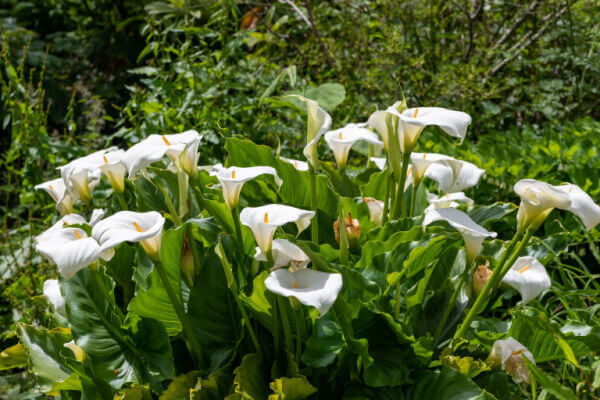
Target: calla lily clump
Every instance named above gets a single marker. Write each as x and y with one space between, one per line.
277 264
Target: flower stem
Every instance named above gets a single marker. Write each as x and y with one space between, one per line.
450 305
247 322
194 344
170 205
400 203
386 200
492 282
183 185
202 202
285 322
343 236
235 214
122 201
397 303
413 200
314 226
299 314
95 269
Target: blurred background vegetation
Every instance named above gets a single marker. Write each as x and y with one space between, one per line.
77 75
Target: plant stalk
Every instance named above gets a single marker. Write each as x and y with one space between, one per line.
386 200
400 203
314 226
285 322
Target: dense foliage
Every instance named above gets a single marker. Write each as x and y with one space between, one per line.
79 76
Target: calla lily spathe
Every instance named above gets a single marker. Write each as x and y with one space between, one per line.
51 291
454 175
155 147
298 165
509 354
188 158
318 122
263 221
375 209
233 178
129 226
422 161
539 198
114 169
529 277
311 288
379 162
472 233
70 249
412 121
340 141
449 200
58 191
285 254
68 220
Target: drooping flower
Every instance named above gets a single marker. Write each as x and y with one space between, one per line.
454 175
352 230
472 233
340 141
298 165
375 209
58 191
263 221
449 200
529 277
155 147
311 288
51 291
318 122
285 254
70 249
114 169
233 178
509 354
539 198
480 277
412 121
129 226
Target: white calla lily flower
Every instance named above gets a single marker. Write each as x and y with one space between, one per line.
154 148
233 178
285 254
68 220
263 221
212 170
340 141
70 249
114 169
449 200
454 175
318 122
129 226
472 233
529 277
381 121
311 288
375 209
539 198
422 161
298 165
582 205
379 162
412 121
58 191
51 291
509 353
188 158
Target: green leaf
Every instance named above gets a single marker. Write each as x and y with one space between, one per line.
180 387
44 357
447 384
324 344
296 388
121 351
215 387
467 366
261 302
154 302
250 378
549 383
13 357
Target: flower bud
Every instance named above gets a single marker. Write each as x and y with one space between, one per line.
187 262
480 277
352 231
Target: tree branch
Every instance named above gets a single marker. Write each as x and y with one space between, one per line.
514 26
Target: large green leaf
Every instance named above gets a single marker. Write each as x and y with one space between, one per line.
13 357
295 189
447 384
212 310
296 388
250 378
324 344
121 351
154 302
261 302
215 387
